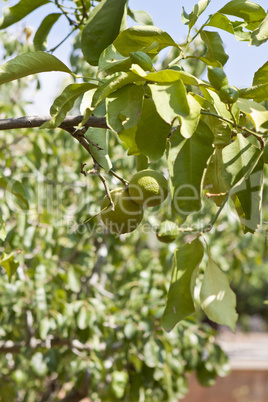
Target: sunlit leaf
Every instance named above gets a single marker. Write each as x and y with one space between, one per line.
214 44
187 160
11 15
17 189
102 27
251 12
124 107
9 264
40 37
180 299
235 28
98 139
198 9
152 131
216 297
30 63
141 17
112 61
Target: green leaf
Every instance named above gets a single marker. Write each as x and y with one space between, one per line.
187 160
3 233
112 61
38 365
115 81
256 113
239 158
17 189
214 44
102 27
73 280
65 102
141 17
167 76
40 37
235 28
251 12
180 299
124 107
214 182
152 131
11 15
261 75
30 63
248 199
172 101
258 92
140 38
260 34
216 297
129 139
198 9
119 382
9 264
98 136
84 318
151 353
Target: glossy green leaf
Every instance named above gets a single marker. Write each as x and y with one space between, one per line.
102 27
168 76
65 102
129 139
30 63
83 318
256 113
124 107
172 102
214 183
40 37
11 15
9 264
258 92
180 299
114 82
141 17
140 38
112 61
152 131
235 28
239 158
198 9
187 160
248 199
214 44
98 136
260 34
251 12
216 297
73 280
17 189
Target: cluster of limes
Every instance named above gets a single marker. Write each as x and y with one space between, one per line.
147 188
217 78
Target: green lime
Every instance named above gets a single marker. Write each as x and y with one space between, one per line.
148 188
228 94
167 232
217 77
127 215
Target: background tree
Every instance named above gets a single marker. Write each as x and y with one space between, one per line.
86 312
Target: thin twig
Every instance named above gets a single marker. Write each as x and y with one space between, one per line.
62 41
118 177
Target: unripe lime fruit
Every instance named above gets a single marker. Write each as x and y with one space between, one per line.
217 77
148 188
142 59
127 215
228 94
167 232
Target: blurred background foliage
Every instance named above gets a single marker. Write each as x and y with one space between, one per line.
80 309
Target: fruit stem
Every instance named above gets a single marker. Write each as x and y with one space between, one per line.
118 177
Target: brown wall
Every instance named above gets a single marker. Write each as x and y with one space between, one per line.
239 386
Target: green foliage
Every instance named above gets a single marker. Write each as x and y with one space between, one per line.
87 308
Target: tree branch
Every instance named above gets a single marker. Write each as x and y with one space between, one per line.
37 121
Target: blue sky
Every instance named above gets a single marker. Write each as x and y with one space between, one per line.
240 68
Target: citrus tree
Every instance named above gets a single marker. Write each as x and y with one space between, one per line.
162 147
